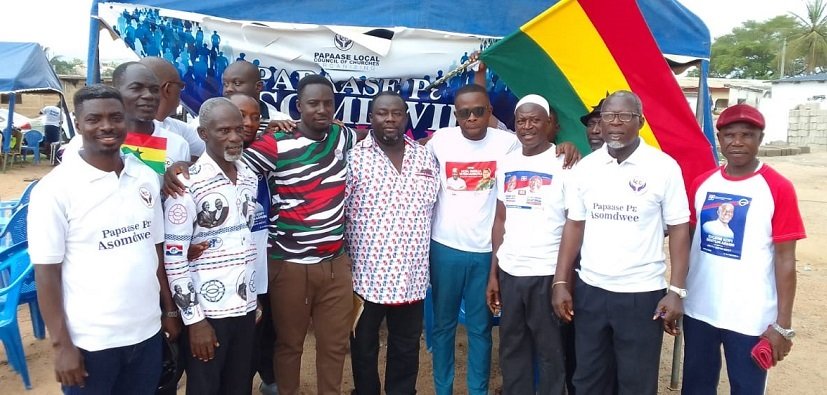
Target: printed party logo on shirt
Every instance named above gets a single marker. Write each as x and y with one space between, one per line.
722 220
173 250
638 184
146 196
470 176
523 189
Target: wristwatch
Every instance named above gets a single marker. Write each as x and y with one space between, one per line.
680 291
788 334
172 314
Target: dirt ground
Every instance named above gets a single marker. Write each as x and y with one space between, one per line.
801 373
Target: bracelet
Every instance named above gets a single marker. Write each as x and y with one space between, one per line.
172 314
556 283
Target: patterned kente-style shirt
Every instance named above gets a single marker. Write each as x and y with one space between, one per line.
388 215
307 180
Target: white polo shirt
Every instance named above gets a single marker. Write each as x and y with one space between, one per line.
532 188
625 207
463 216
731 281
103 229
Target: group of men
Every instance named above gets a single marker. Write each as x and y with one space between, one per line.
265 227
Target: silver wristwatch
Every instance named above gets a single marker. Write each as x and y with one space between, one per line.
680 291
788 334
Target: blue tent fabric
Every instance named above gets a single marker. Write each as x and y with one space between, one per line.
676 30
25 68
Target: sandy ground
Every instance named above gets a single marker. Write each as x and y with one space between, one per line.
801 373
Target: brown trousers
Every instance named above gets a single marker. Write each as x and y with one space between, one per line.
322 292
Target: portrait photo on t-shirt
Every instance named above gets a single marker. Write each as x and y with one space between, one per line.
721 224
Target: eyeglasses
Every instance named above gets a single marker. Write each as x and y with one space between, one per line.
622 116
465 113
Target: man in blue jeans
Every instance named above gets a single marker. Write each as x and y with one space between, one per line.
96 252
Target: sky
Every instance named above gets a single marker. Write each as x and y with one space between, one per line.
63 25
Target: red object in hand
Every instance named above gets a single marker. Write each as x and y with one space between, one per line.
762 354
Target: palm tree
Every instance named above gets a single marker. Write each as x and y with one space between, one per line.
811 41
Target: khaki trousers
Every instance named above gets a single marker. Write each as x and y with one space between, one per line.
321 292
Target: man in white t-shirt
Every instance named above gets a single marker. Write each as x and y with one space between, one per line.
461 235
140 91
51 124
455 183
741 285
96 251
621 197
169 100
526 236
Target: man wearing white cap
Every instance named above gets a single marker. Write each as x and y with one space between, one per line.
460 251
526 236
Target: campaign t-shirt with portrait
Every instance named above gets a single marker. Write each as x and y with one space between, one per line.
466 203
731 281
532 188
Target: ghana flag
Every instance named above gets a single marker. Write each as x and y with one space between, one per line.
577 51
149 149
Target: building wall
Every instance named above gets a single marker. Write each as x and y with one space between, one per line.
31 103
808 126
786 97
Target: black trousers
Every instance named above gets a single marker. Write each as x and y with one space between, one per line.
529 332
265 343
229 372
617 342
404 331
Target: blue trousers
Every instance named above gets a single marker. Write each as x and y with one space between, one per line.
128 370
458 275
702 360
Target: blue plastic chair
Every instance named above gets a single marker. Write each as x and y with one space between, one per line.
16 230
11 206
32 140
16 265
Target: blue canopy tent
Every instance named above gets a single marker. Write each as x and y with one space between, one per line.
25 69
682 37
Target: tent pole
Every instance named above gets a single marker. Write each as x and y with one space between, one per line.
92 65
10 122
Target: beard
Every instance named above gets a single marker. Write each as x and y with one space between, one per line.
231 157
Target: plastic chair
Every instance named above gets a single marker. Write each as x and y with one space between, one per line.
32 140
15 263
14 151
12 205
16 230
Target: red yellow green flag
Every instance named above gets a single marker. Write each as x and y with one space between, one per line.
578 50
149 149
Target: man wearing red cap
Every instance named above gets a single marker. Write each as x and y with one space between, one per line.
758 254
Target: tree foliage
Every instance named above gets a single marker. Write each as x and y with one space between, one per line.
810 41
752 50
63 66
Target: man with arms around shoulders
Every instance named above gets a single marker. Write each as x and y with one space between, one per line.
265 331
622 196
759 256
526 236
461 237
141 96
102 239
391 188
221 323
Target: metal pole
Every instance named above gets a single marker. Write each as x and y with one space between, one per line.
783 57
92 65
